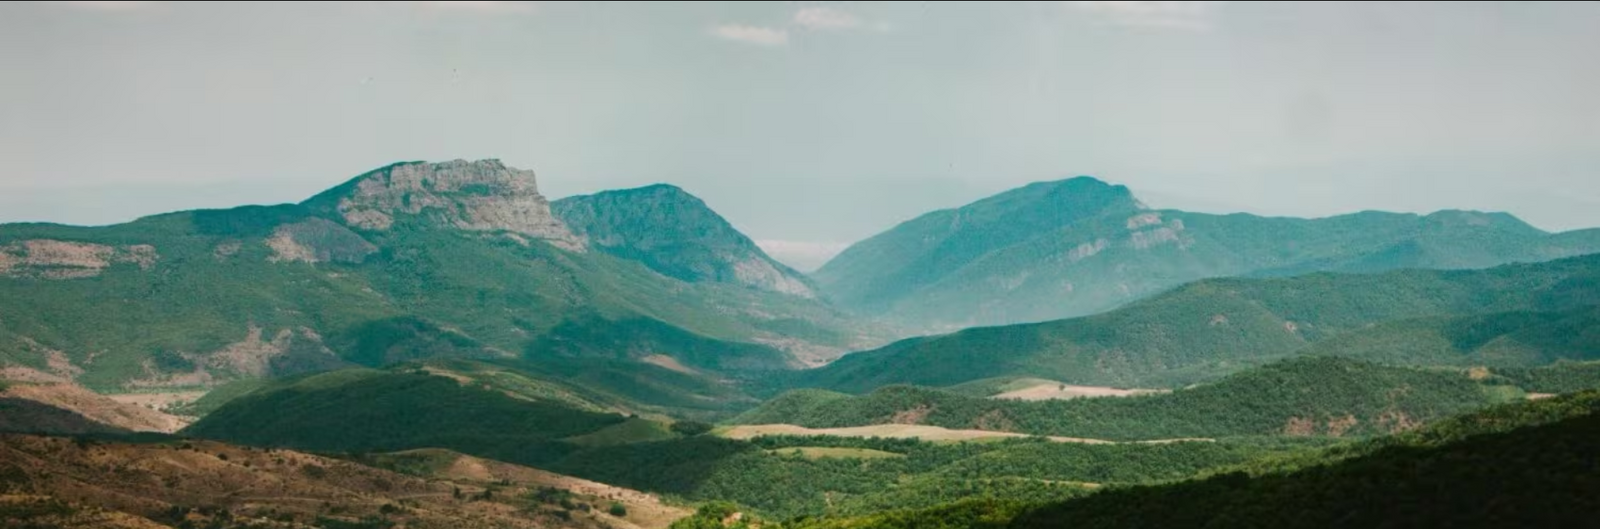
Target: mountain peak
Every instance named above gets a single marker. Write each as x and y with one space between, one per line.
662 190
1070 198
1081 180
1479 219
481 195
1085 184
676 234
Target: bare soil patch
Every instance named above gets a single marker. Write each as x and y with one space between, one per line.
825 452
668 362
1056 391
99 408
162 402
114 484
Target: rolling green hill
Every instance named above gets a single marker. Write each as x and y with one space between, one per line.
1323 396
359 410
410 261
1075 247
1523 338
1210 328
489 410
767 475
1560 377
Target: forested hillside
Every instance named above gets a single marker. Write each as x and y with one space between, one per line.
1520 315
1308 396
478 409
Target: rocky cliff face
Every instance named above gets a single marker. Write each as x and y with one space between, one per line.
482 195
676 234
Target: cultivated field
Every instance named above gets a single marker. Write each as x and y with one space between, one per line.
825 452
1051 390
903 431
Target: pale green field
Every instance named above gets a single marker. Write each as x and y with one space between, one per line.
822 452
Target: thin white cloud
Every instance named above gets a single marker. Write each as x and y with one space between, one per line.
482 6
830 19
826 18
759 35
804 256
1158 14
131 5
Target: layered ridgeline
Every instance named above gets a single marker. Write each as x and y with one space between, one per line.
1522 465
1519 315
1324 396
410 261
1074 247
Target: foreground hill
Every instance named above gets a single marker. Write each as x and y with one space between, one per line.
1513 315
1303 397
1523 465
409 261
19 415
101 483
1074 247
1536 476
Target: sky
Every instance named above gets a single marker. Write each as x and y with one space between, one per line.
810 125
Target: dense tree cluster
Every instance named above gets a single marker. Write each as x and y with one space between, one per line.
776 483
1304 396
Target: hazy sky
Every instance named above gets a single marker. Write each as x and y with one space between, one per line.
812 123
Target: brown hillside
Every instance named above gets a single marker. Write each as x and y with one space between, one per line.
96 407
52 481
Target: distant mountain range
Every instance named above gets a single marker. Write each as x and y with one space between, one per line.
410 261
426 261
1080 246
1519 315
